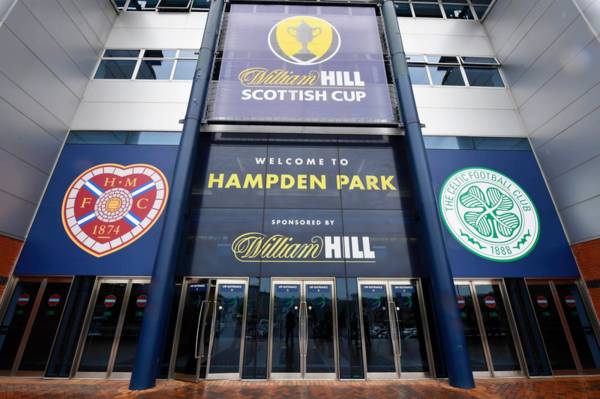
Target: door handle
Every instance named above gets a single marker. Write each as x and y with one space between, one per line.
304 326
398 340
198 355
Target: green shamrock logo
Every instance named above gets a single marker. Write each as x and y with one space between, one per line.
491 217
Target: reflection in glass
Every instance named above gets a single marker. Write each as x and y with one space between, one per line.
427 10
446 76
155 70
418 75
185 70
457 11
472 334
15 320
115 69
410 328
286 329
320 354
44 327
579 326
376 329
555 340
497 329
483 77
196 294
101 333
132 325
227 339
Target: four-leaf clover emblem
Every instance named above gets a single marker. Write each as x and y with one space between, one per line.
490 217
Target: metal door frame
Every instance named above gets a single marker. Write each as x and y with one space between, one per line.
123 375
7 296
511 325
228 376
390 306
424 326
107 374
186 281
303 334
41 293
561 316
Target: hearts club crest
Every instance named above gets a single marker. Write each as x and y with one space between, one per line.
109 206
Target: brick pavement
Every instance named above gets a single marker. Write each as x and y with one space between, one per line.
554 388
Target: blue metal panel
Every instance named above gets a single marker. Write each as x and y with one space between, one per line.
550 258
48 249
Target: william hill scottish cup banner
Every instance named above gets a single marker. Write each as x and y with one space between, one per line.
302 64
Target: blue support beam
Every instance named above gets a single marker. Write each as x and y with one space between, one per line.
453 341
156 315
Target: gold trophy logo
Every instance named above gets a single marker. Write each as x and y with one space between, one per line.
304 40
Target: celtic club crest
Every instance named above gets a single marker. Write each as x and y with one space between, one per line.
109 206
489 214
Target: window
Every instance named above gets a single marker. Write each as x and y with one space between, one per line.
475 143
123 137
174 4
443 70
450 9
483 76
147 64
117 64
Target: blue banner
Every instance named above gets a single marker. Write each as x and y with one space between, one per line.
499 218
101 213
302 63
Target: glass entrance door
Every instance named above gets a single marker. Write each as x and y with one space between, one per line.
489 329
303 333
29 325
570 341
395 335
210 329
113 323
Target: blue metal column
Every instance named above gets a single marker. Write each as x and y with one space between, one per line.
454 346
156 315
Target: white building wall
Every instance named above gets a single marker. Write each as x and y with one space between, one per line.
49 50
138 104
458 111
550 53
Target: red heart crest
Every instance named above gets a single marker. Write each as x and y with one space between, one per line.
109 206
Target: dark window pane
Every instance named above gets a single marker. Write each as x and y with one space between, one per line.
454 11
201 4
148 3
157 138
155 70
403 10
446 76
174 4
418 75
480 11
107 137
486 2
427 10
484 77
159 53
115 69
185 70
121 53
497 143
442 59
